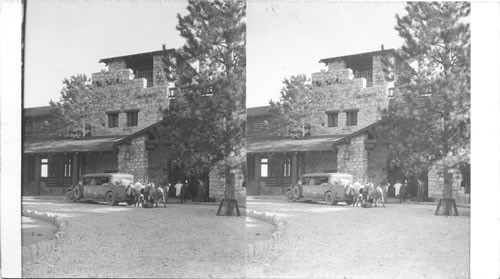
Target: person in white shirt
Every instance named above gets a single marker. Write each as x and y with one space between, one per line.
178 188
397 187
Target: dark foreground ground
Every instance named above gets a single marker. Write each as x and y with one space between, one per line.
399 241
181 241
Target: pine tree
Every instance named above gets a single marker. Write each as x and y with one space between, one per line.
76 112
429 118
209 110
300 107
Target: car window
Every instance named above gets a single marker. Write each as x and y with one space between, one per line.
86 180
306 180
322 180
103 180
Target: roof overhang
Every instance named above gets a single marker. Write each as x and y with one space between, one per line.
137 55
293 145
358 55
323 143
95 144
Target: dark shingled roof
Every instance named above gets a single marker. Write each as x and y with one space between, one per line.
69 145
258 111
371 53
317 143
36 111
292 145
151 53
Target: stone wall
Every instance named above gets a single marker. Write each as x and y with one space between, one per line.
122 92
435 185
377 163
101 161
352 158
320 162
158 164
217 184
133 158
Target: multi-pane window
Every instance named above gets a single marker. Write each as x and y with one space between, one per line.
333 119
67 168
132 118
44 172
172 92
287 168
112 119
263 167
351 118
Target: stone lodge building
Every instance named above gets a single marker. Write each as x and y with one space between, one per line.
127 139
347 141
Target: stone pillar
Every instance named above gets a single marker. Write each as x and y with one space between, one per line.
74 169
294 168
37 173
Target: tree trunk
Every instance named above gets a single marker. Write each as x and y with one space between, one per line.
447 201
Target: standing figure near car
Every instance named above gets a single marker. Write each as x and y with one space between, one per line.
178 188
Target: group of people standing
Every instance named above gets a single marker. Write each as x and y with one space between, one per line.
398 190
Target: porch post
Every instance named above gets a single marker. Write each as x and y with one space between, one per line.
257 171
294 168
37 173
74 169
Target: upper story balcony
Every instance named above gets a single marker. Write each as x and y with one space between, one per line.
148 65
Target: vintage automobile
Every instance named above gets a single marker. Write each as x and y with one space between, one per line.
108 187
328 187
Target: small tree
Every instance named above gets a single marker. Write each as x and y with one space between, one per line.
76 111
210 110
429 118
299 108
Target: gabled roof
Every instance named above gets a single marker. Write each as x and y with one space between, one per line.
371 53
140 132
316 143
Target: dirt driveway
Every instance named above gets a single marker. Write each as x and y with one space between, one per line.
399 241
180 241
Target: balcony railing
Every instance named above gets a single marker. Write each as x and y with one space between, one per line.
148 75
368 75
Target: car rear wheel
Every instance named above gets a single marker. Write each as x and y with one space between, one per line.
329 198
111 199
296 192
289 195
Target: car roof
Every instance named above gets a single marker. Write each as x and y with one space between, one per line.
326 174
109 174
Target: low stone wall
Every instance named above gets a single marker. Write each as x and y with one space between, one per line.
32 252
261 248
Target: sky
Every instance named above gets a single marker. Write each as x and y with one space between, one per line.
69 37
289 38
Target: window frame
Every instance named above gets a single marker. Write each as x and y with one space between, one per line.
111 116
131 121
332 118
349 119
264 162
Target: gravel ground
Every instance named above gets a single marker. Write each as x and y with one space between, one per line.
399 241
181 241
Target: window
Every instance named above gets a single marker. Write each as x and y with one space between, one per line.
287 168
112 119
67 168
132 118
172 92
390 92
351 118
263 167
44 168
333 119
